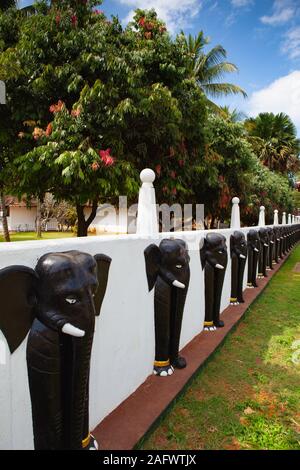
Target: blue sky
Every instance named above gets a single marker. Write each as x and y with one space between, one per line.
262 37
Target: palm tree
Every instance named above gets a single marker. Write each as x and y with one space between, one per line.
208 69
233 116
274 138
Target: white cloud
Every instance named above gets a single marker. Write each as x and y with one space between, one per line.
291 44
176 13
241 3
282 95
283 11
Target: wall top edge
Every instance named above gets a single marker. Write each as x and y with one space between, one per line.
78 242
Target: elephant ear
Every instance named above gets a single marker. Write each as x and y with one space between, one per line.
202 246
103 265
17 293
153 260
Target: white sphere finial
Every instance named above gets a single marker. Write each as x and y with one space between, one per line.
147 221
262 208
147 175
276 211
235 213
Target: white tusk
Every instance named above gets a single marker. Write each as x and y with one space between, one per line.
71 330
272 243
178 284
219 266
265 244
242 256
278 239
256 249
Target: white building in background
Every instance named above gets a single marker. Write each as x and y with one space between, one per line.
21 217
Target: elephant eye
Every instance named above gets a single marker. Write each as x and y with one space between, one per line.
71 300
178 266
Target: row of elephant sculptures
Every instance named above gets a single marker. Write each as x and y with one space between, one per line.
57 303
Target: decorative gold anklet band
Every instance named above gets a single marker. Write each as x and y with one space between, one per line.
162 363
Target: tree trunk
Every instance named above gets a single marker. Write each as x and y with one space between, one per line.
38 219
4 218
83 225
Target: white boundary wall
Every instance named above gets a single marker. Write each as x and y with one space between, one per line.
123 348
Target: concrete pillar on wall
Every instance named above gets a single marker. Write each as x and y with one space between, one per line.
293 219
289 219
276 222
235 214
284 218
261 220
147 223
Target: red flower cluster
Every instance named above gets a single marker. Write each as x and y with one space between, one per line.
49 129
158 169
148 35
74 20
106 158
56 108
142 21
173 174
57 19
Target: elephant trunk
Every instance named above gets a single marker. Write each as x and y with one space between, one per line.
75 389
242 264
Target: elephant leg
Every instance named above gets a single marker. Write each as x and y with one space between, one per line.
162 318
254 269
234 279
209 279
44 375
242 264
219 280
250 268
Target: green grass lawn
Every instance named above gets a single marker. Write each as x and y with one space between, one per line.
247 396
25 236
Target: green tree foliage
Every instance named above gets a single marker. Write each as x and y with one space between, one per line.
91 103
6 4
223 171
268 188
274 140
123 90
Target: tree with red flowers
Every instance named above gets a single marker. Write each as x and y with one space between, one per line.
73 165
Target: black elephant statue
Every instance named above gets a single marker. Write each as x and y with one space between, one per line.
57 303
238 251
263 252
253 243
213 256
167 267
271 251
